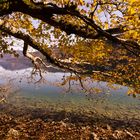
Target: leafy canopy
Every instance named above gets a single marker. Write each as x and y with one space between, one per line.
102 36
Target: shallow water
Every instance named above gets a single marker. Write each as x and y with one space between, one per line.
55 92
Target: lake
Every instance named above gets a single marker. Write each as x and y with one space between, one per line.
59 90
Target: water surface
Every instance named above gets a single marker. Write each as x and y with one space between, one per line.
59 92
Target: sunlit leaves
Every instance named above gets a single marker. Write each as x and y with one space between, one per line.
105 56
4 46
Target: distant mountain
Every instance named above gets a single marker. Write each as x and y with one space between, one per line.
10 62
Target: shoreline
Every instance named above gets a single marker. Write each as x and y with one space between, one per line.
38 124
47 124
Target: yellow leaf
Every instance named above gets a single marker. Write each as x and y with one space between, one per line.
81 2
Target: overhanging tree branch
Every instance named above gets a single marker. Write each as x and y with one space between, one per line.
55 61
29 41
47 14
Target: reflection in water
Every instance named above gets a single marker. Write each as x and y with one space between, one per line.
65 91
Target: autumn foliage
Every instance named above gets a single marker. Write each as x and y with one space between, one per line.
104 34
